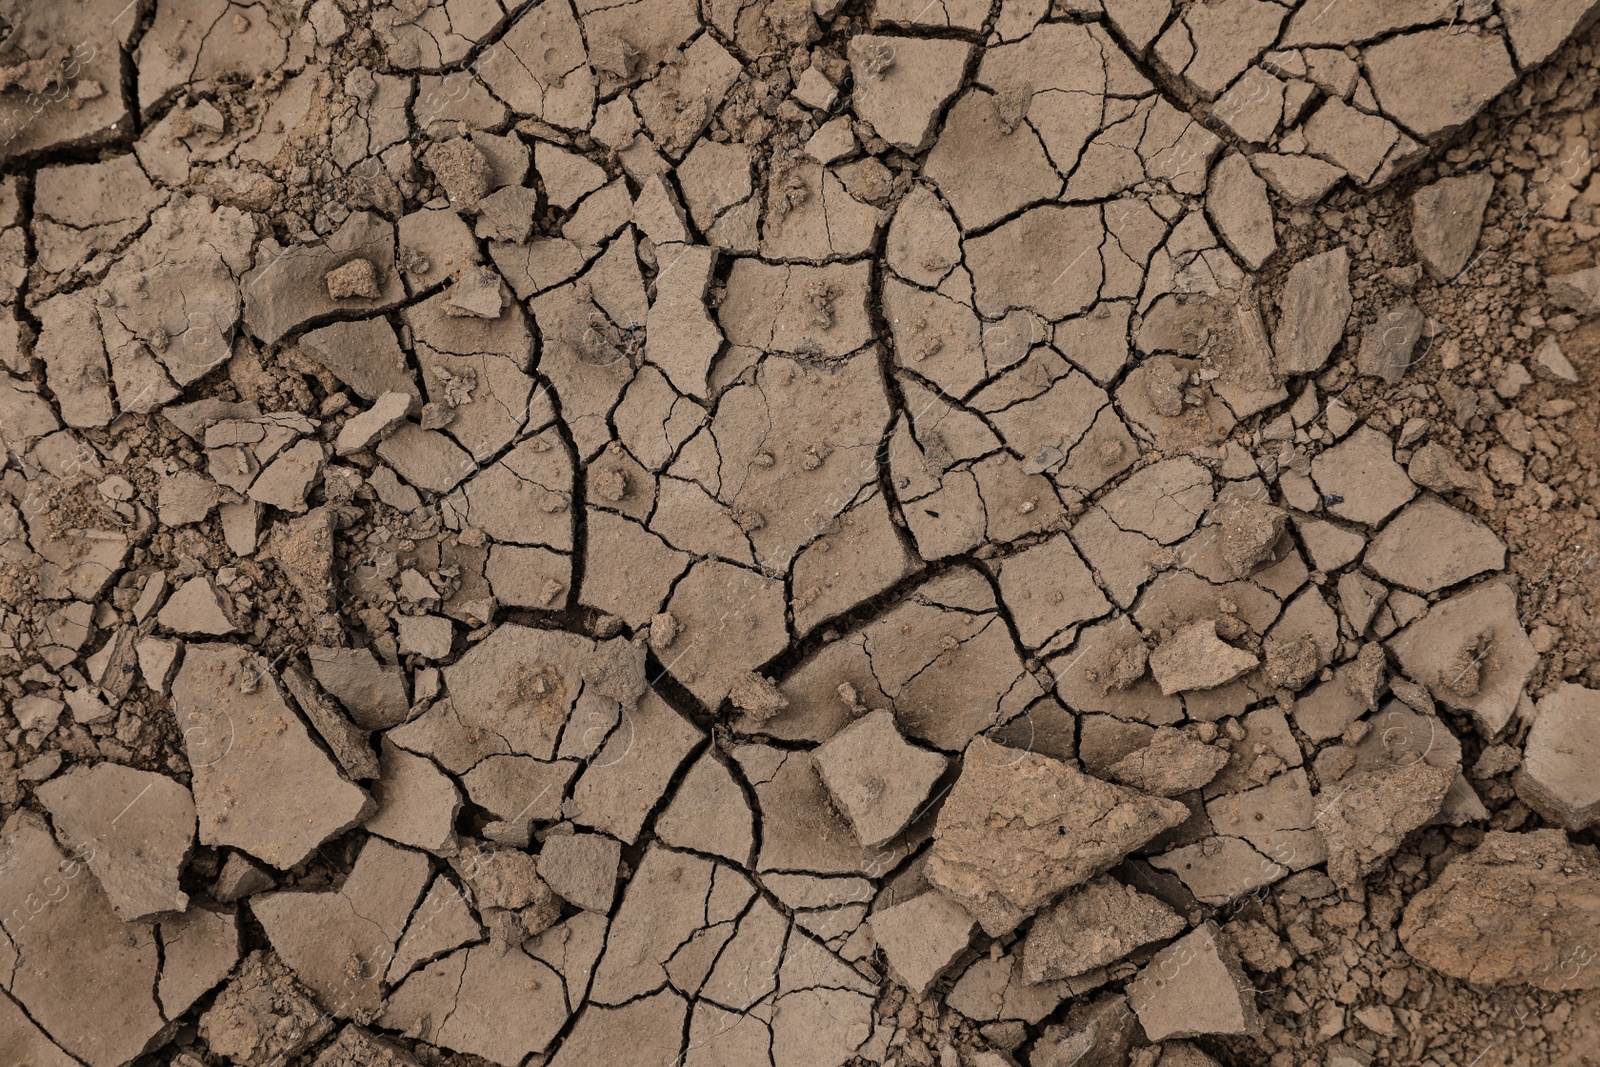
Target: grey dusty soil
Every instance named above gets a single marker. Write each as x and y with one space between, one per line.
799 533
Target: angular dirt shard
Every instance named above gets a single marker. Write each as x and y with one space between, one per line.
921 938
1557 778
261 784
1019 828
1359 478
1472 653
263 1015
1518 909
1196 658
1431 545
134 828
1097 924
902 82
1195 987
1368 815
340 943
1237 202
61 909
1316 305
877 778
1172 763
1446 219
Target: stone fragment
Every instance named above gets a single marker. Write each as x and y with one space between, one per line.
428 636
1251 531
522 685
1195 987
134 828
1210 46
680 336
1446 219
289 287
1369 814
1049 589
1431 545
1359 478
1015 832
878 779
1046 259
731 621
365 355
260 783
523 997
901 84
628 777
1278 819
1578 291
975 147
801 830
1093 926
1301 180
1236 200
344 739
1253 106
1557 776
1219 869
241 877
859 557
287 480
1356 141
1519 909
504 885
662 908
921 938
355 280
442 923
1100 1033
1194 657
648 1030
1315 306
187 497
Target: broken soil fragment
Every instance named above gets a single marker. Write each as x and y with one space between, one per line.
1517 909
1015 832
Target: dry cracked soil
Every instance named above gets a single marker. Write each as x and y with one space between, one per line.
799 533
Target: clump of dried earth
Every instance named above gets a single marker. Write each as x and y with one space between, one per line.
799 533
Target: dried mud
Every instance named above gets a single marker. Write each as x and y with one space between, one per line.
799 533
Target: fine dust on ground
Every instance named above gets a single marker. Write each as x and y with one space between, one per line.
799 533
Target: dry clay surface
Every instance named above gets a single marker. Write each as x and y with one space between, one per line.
799 533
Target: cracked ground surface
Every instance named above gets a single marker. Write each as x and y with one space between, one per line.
799 533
